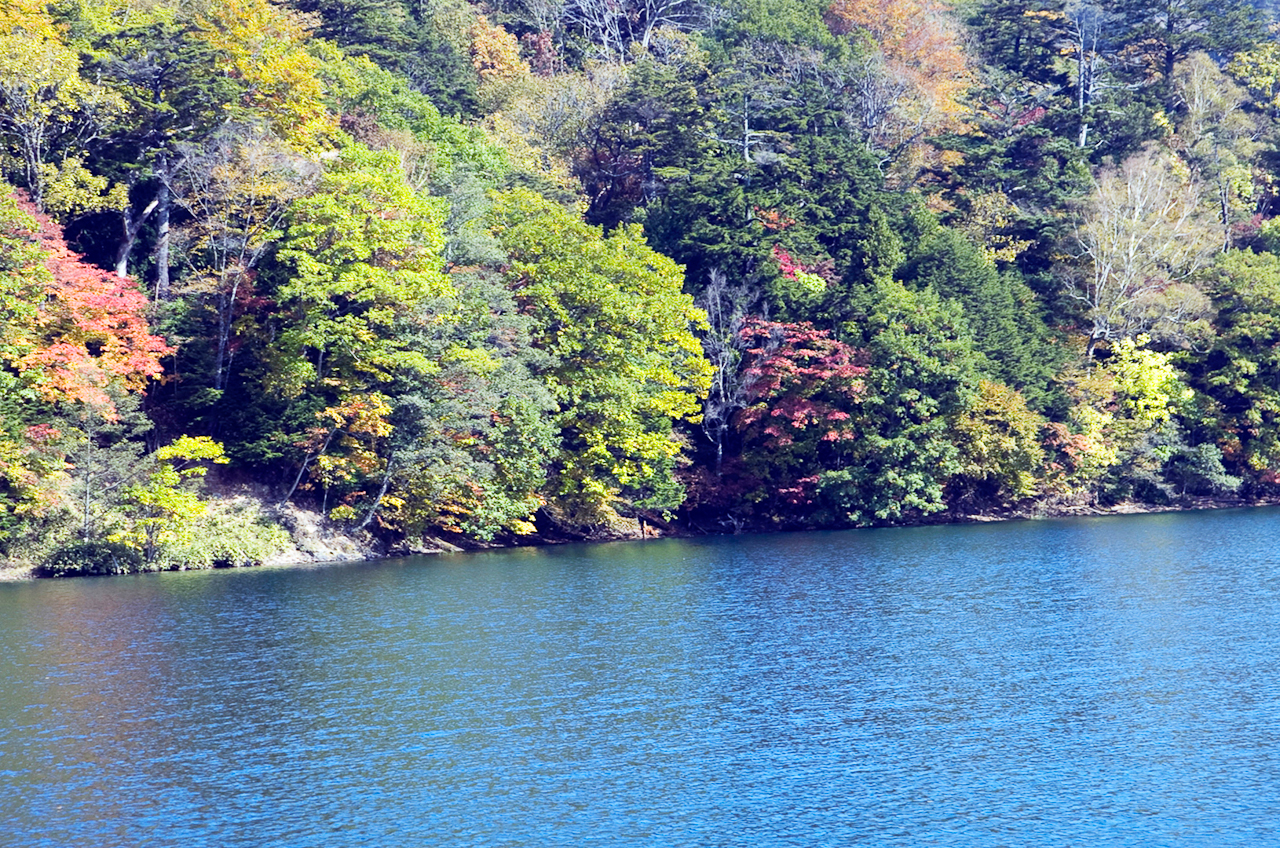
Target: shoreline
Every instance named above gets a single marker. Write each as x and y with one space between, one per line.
316 543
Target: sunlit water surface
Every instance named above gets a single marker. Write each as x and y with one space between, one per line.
1101 682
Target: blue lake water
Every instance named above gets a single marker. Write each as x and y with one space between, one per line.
1095 682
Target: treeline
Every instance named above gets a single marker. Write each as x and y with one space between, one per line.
540 264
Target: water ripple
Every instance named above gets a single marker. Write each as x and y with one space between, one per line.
1106 682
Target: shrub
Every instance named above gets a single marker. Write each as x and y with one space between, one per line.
93 557
230 533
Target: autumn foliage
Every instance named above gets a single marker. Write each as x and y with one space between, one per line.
920 41
89 331
802 388
799 378
923 79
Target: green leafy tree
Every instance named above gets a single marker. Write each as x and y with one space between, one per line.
163 504
361 250
360 255
1241 372
624 362
472 439
1001 312
379 29
1002 458
1165 32
921 373
173 96
49 111
1125 415
649 133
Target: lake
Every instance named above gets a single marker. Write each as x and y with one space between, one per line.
1089 682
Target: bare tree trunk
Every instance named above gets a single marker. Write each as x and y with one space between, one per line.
164 203
226 324
1224 201
305 462
726 307
382 492
88 478
131 226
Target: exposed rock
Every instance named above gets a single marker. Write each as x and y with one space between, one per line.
316 539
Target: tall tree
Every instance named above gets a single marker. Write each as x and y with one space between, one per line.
173 97
1162 33
1144 233
48 111
237 187
921 372
624 362
800 426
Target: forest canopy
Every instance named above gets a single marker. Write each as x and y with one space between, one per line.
524 267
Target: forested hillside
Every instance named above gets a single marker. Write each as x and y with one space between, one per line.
535 266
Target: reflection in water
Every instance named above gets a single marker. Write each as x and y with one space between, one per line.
1105 682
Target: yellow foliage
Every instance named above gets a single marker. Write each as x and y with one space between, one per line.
1149 387
999 438
70 190
921 41
1117 403
263 47
29 18
987 223
1259 69
495 53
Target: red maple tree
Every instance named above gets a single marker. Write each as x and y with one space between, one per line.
90 329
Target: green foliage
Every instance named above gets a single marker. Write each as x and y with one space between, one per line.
1199 470
624 362
472 440
1125 414
361 251
226 533
46 107
1165 32
377 29
90 558
422 324
921 373
1001 312
376 104
651 132
164 507
795 23
1242 370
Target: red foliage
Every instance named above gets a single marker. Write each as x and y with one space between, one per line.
1031 116
540 50
772 219
790 266
798 359
801 386
91 330
797 376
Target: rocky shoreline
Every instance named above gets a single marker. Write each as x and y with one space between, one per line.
317 541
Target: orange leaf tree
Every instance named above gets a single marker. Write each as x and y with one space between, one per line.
73 341
89 329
